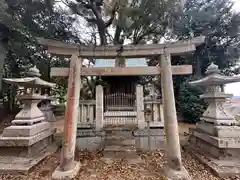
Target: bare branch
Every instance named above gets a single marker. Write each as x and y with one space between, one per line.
91 20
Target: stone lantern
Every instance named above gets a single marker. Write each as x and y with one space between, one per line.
47 108
217 134
148 119
29 139
216 98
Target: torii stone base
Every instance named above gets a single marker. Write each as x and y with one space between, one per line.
66 175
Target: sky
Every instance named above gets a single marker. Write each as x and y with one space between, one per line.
234 88
237 5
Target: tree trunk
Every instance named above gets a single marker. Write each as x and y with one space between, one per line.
198 66
102 33
49 76
2 62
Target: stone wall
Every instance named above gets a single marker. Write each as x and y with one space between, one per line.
89 140
156 139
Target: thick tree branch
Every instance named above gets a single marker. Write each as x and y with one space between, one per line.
116 39
100 22
113 12
109 22
91 20
96 11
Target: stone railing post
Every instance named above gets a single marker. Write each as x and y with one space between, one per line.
140 107
99 108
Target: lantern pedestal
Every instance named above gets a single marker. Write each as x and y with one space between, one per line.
29 139
215 142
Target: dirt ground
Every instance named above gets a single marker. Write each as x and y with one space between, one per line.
93 168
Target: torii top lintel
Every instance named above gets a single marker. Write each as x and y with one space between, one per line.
128 51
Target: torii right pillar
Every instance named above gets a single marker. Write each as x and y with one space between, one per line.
174 168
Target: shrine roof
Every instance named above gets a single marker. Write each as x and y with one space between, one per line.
134 62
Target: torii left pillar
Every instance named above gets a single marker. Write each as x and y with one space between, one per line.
69 168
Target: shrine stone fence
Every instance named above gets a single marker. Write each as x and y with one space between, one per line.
90 139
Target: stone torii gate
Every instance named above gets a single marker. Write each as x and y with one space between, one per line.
68 168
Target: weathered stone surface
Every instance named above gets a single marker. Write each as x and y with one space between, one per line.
156 143
212 151
217 137
170 115
153 132
25 141
27 151
221 168
124 133
89 132
86 133
219 131
71 115
121 120
99 108
25 131
172 174
66 175
28 121
92 141
109 52
123 141
28 140
48 113
140 107
119 143
22 165
217 112
157 124
89 143
219 142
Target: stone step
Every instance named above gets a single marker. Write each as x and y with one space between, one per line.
120 142
118 148
120 127
118 132
120 121
114 137
123 135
